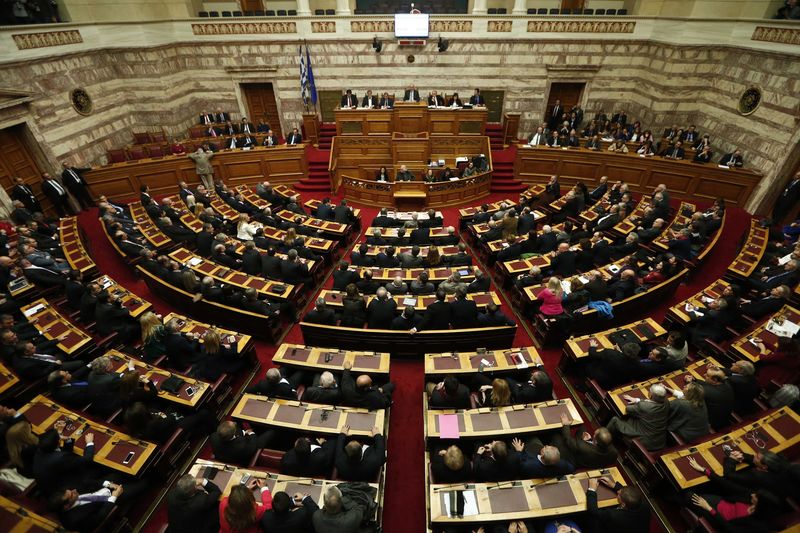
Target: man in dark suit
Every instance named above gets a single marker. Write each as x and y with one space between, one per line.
437 315
511 249
585 450
56 193
205 240
343 276
321 314
360 392
369 101
494 462
732 159
646 419
324 210
383 220
207 118
435 100
785 202
359 462
309 458
289 515
477 99
632 515
349 100
41 276
787 275
675 152
192 506
554 117
112 317
742 379
407 320
324 391
343 213
624 287
233 445
404 174
270 139
540 461
463 312
386 101
367 285
271 264
277 383
85 512
361 258
55 468
537 388
777 298
295 137
72 178
420 236
563 261
449 394
462 258
24 193
411 94
67 388
381 311
293 270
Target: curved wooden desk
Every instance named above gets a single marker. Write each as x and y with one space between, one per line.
415 195
278 164
684 179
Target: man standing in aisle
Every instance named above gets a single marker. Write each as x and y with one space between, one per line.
71 177
202 161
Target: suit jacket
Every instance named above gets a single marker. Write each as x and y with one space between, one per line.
369 101
380 313
43 276
325 317
297 519
386 102
460 400
61 469
51 191
688 421
437 100
648 419
487 468
72 178
532 467
745 390
537 139
367 468
762 307
437 316
564 265
294 138
342 214
293 272
318 464
350 100
343 278
411 95
195 514
24 193
328 396
584 454
111 318
463 313
238 451
343 522
731 160
617 519
86 517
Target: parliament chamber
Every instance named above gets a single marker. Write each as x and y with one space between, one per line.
345 266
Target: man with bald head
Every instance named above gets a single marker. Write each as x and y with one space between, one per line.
361 392
645 418
356 461
584 449
277 384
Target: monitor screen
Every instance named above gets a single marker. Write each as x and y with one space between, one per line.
411 26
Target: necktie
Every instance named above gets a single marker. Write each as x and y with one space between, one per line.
79 384
43 357
213 132
91 498
58 187
675 153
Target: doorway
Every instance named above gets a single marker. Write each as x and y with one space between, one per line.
261 105
569 94
16 159
572 5
251 5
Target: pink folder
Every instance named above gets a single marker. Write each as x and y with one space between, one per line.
448 427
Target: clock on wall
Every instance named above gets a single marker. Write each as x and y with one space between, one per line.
81 101
749 101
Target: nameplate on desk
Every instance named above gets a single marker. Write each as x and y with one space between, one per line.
33 310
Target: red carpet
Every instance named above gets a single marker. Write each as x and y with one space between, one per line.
404 496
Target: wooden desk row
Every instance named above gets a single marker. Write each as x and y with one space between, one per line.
435 275
768 331
204 267
321 359
645 331
512 360
444 251
411 117
283 164
390 233
467 213
776 431
682 219
522 499
135 305
414 194
52 325
752 251
533 191
148 228
111 448
73 247
626 225
684 179
227 476
420 303
16 518
309 417
243 343
497 421
314 203
679 313
672 380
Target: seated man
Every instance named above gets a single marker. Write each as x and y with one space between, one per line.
381 311
192 506
321 314
85 512
448 394
583 449
359 462
233 445
493 462
332 517
404 174
646 419
309 458
408 319
539 461
277 384
361 393
324 390
289 514
632 513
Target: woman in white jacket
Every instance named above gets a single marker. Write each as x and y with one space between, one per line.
245 229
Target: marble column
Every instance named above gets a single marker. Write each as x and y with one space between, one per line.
303 8
479 7
343 7
520 7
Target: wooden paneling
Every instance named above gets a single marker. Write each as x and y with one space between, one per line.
464 190
17 161
251 5
684 179
261 105
568 93
411 118
281 164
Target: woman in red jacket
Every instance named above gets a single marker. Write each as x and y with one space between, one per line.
239 512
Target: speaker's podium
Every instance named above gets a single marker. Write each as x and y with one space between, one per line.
410 195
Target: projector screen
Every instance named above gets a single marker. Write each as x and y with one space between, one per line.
407 25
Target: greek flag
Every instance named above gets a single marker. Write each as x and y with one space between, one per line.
308 90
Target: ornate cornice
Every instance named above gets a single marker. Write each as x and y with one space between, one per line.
323 26
776 35
499 25
451 26
244 28
580 26
27 41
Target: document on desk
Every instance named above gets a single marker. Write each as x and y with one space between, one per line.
448 427
470 503
784 329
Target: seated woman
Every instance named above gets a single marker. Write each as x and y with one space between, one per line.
551 297
218 358
434 258
245 229
454 101
498 394
382 175
240 512
21 445
646 149
688 416
577 297
449 466
429 176
354 308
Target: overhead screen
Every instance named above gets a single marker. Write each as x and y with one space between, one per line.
411 26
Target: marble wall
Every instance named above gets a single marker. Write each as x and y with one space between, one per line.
167 86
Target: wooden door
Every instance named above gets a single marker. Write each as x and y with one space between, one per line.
572 5
568 93
251 5
17 160
261 105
